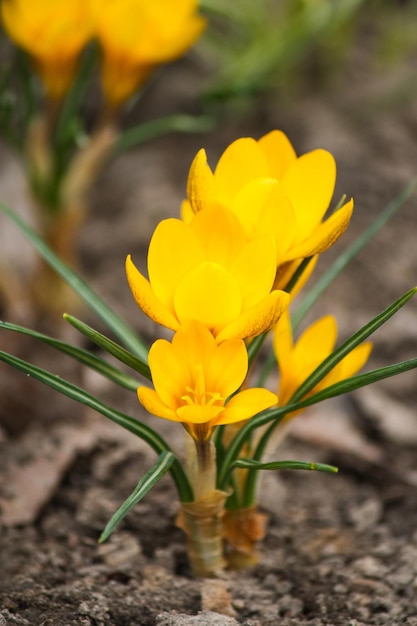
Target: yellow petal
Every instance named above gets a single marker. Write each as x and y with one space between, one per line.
200 186
153 404
315 344
219 234
187 212
286 271
146 299
53 33
242 161
120 78
136 36
279 152
173 251
324 235
282 340
227 368
170 374
199 414
193 344
350 365
258 318
209 294
249 202
254 270
309 184
246 404
262 206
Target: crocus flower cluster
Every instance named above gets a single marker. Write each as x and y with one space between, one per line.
272 191
213 276
135 36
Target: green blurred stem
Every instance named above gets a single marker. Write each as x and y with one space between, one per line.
177 123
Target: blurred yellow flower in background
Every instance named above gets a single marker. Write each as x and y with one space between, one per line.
207 270
296 361
194 377
271 190
53 33
137 35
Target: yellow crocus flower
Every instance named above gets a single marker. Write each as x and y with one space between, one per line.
194 377
137 35
207 270
53 33
296 361
271 190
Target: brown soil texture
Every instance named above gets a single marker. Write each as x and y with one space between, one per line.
340 549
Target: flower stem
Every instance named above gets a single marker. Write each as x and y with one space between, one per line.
202 521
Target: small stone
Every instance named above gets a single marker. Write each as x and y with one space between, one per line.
206 618
290 606
370 567
366 515
215 597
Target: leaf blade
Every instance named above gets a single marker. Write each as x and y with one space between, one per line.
283 465
83 356
113 321
347 346
110 346
153 439
149 480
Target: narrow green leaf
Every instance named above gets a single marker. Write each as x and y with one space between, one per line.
177 123
83 356
254 466
344 259
277 415
113 321
142 431
333 359
355 382
283 465
255 345
149 480
75 96
110 346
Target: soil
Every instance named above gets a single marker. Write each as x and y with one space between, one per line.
340 549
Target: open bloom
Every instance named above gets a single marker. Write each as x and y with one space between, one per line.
137 35
194 377
297 361
207 270
53 33
271 190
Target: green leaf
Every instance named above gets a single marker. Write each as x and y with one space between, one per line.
83 356
254 465
333 359
149 480
113 321
353 383
110 346
74 99
350 384
142 431
337 389
178 123
255 345
283 465
344 259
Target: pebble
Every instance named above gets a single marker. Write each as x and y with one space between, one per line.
205 618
